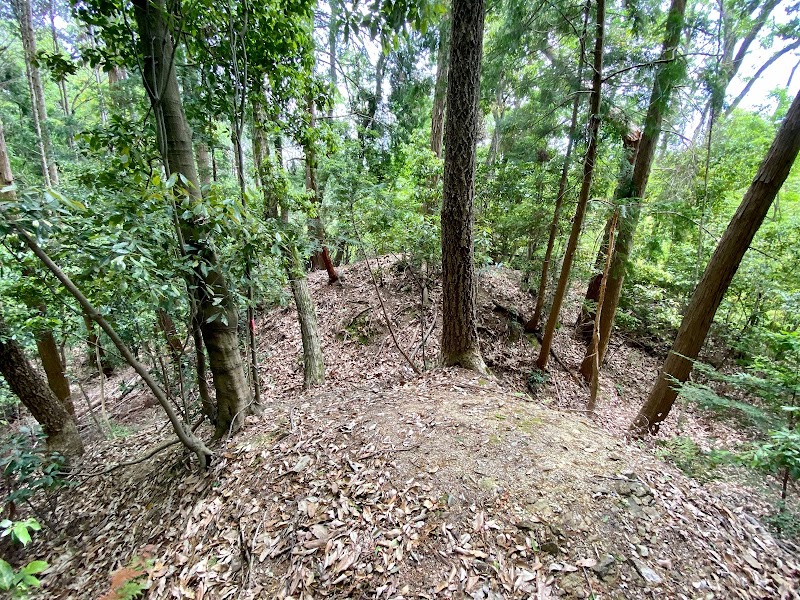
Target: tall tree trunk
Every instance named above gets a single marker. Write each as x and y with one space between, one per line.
439 104
206 404
203 163
57 423
666 78
264 166
590 367
498 111
333 30
252 343
216 305
321 259
624 190
440 88
460 345
719 272
62 83
583 198
533 324
377 98
313 362
259 140
25 21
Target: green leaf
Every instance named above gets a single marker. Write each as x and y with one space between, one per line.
34 567
6 575
30 581
20 533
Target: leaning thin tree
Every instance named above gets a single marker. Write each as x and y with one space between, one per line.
459 285
583 198
720 271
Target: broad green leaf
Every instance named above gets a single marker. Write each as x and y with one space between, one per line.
6 575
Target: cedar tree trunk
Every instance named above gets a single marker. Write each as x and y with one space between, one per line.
57 424
720 271
459 284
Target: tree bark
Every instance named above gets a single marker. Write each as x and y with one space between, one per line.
216 306
22 9
313 361
440 88
54 370
585 325
206 404
533 324
57 423
203 163
259 140
321 259
590 367
665 80
460 346
719 272
583 198
333 30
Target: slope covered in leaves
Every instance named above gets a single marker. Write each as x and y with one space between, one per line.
386 484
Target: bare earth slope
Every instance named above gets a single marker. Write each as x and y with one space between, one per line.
384 484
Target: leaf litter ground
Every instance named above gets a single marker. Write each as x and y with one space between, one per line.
385 484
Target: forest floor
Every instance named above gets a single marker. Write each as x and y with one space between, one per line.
388 484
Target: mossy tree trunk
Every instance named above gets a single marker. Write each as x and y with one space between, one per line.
215 304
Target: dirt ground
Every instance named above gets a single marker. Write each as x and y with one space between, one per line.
388 484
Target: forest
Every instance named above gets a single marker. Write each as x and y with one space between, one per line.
400 299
